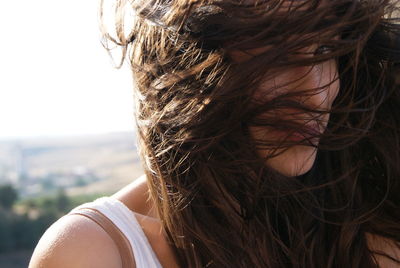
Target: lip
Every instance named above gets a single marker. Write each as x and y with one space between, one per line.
308 132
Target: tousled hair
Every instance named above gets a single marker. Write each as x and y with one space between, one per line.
218 201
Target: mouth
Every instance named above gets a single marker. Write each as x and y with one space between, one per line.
308 132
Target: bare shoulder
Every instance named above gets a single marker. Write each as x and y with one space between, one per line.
75 241
137 198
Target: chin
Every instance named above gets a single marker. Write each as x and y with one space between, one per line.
296 161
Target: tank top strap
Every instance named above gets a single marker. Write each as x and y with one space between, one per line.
126 221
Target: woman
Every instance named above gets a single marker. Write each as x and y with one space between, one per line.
269 135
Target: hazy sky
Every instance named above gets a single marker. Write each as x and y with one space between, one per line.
55 77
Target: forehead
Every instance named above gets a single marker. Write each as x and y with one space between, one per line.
285 8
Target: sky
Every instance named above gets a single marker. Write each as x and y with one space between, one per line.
55 76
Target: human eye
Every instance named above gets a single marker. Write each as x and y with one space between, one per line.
324 49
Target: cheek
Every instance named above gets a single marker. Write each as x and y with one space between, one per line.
267 90
331 76
336 88
281 83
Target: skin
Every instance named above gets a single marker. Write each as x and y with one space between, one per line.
75 241
297 159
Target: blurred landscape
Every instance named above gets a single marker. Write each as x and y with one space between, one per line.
41 179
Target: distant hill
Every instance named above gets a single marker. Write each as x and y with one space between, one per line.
80 164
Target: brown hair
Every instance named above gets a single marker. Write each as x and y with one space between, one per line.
219 203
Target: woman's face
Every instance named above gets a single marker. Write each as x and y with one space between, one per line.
298 159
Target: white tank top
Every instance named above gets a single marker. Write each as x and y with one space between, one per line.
126 221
